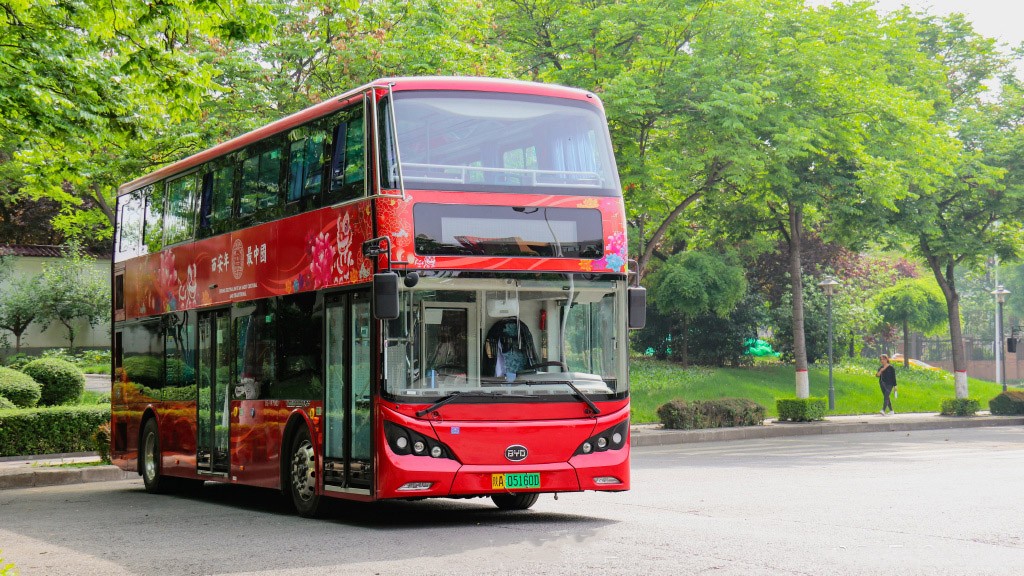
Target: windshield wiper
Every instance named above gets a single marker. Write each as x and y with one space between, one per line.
576 392
448 399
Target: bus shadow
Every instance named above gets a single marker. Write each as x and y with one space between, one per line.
420 513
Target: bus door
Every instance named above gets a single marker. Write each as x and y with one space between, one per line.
212 413
348 456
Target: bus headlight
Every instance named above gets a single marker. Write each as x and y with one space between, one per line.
405 442
613 438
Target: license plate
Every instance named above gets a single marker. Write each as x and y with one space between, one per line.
515 481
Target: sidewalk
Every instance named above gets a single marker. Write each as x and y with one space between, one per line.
34 471
655 435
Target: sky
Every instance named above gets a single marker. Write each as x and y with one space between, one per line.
999 19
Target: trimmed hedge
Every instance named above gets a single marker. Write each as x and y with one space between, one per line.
801 409
20 389
718 413
50 430
960 406
1009 403
6 404
62 381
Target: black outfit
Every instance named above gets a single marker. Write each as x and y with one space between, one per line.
887 381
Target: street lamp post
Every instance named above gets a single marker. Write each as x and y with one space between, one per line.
828 285
1000 293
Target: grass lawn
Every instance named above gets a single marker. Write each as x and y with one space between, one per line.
654 383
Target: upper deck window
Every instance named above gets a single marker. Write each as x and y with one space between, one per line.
261 181
132 216
475 141
180 216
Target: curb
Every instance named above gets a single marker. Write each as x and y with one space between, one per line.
654 435
18 472
41 476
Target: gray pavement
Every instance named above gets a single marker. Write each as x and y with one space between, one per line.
50 470
97 383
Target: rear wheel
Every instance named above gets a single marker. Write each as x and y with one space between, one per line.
302 475
515 501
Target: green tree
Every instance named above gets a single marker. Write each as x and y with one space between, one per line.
19 306
966 209
693 283
73 289
87 87
912 304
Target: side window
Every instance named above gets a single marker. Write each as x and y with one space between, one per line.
218 200
180 215
261 179
179 351
130 220
306 161
143 357
153 230
348 158
255 350
299 347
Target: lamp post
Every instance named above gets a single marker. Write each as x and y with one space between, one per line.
1000 293
828 285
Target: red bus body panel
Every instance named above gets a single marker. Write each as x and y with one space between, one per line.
322 249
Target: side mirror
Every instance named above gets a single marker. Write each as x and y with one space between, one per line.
637 303
385 296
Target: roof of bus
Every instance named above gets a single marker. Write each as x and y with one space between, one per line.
333 104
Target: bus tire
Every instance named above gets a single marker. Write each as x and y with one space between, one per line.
302 474
515 501
149 460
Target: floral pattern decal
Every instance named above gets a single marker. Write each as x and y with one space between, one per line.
323 248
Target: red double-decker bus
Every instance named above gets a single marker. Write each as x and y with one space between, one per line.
416 289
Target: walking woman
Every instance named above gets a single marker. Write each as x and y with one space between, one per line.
887 381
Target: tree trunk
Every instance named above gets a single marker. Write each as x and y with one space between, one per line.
796 284
956 338
906 345
686 343
71 336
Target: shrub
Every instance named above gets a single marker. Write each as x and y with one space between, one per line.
801 409
62 381
50 430
6 404
101 437
678 415
959 406
20 389
1009 403
16 361
717 413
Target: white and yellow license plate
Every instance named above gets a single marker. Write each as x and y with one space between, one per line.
515 481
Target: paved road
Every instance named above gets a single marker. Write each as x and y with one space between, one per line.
929 502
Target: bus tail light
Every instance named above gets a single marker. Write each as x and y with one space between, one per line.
404 441
613 438
607 480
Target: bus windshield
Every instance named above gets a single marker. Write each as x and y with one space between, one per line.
477 141
508 337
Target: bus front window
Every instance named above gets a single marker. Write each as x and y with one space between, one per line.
508 337
478 141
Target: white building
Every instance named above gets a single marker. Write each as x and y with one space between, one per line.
28 260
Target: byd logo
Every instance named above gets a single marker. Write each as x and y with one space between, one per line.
516 453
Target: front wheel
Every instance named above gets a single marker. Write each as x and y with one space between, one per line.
149 450
515 501
302 475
